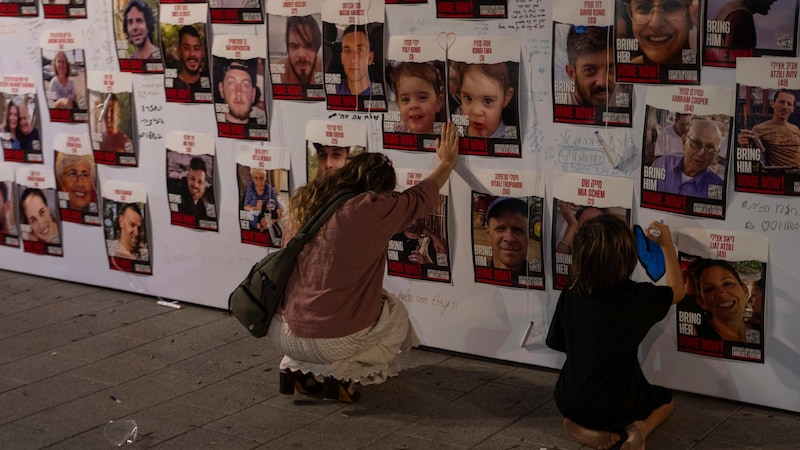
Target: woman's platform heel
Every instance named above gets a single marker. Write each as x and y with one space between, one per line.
340 391
289 382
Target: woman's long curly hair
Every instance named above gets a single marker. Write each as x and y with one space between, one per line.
365 172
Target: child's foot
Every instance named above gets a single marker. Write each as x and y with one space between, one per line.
601 440
636 435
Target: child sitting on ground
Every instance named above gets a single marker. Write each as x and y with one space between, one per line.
599 322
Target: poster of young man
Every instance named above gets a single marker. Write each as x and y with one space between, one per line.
486 72
722 315
416 93
65 9
184 39
111 118
19 112
190 180
19 8
295 50
40 225
689 176
767 137
354 64
329 144
507 229
263 175
137 36
584 88
64 74
237 11
421 250
576 199
745 28
471 9
125 226
76 179
9 232
660 44
239 101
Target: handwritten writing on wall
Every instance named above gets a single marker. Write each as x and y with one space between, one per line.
778 215
437 302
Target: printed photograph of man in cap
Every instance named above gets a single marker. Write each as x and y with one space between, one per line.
238 88
507 240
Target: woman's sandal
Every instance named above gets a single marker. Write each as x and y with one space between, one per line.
339 390
297 381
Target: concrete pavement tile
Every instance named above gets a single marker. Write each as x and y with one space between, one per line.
20 437
96 439
207 440
262 423
404 395
265 375
97 347
36 397
120 368
542 427
418 359
765 428
37 367
477 415
226 397
461 375
500 442
364 425
20 282
310 440
407 442
7 384
149 390
531 378
154 328
170 419
187 343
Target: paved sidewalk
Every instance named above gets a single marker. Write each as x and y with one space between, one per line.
73 357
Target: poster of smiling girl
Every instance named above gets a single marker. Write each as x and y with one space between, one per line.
484 72
722 315
39 225
416 93
353 32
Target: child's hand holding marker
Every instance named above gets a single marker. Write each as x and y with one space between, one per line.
658 229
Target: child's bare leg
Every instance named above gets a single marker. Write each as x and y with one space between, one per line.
638 431
601 440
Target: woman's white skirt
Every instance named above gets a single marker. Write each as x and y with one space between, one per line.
368 356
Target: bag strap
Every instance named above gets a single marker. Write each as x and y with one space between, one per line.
322 215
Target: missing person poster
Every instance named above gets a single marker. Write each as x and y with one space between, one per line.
125 226
329 144
136 35
576 199
185 46
65 9
237 11
19 112
723 313
354 66
471 9
263 175
190 180
40 224
421 250
767 137
507 220
486 72
683 169
660 51
9 232
739 28
19 8
76 179
584 88
111 118
416 93
295 50
64 74
239 101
